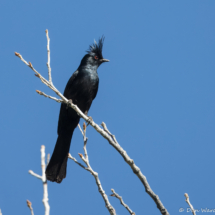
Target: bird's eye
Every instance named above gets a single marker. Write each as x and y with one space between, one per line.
96 57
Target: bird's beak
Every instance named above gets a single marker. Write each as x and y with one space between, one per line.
104 60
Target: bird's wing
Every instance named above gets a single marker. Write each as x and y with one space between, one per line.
71 84
95 90
66 113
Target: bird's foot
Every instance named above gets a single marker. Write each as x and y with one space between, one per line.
70 101
90 119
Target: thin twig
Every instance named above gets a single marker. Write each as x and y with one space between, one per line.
81 129
50 97
85 158
29 204
48 53
85 142
35 175
107 135
44 180
121 201
105 128
72 158
188 202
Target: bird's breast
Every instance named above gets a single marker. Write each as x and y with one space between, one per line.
87 89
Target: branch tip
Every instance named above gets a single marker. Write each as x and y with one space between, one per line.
46 30
30 65
17 54
80 155
188 202
84 127
121 201
39 92
29 203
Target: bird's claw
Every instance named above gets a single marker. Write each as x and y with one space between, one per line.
70 102
90 119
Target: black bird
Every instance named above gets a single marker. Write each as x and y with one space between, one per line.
81 88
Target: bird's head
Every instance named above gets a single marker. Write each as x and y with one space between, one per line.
94 54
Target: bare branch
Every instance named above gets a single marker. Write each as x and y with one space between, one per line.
0 212
44 180
48 52
50 97
37 73
95 174
105 128
85 142
20 56
72 158
52 87
121 201
188 202
135 169
107 135
35 175
30 207
81 129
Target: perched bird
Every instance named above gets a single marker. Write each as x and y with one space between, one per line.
81 88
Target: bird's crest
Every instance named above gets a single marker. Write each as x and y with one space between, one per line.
96 48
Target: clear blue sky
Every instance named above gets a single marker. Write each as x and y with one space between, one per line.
157 95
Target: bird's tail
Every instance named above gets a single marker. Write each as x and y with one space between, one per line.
56 169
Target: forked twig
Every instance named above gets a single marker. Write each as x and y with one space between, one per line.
121 201
30 207
44 180
48 53
188 202
85 158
